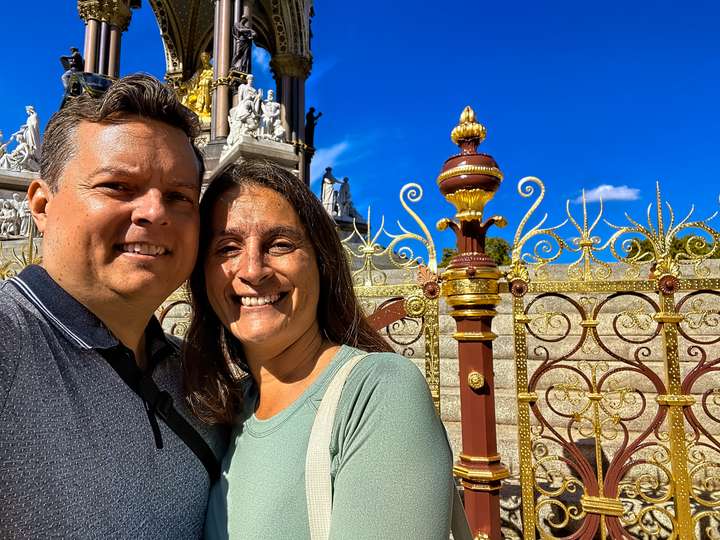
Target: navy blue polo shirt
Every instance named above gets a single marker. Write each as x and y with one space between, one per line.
79 456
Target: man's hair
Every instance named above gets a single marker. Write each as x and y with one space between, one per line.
211 350
133 97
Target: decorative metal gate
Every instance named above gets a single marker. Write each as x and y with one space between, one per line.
618 383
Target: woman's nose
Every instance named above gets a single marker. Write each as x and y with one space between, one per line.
252 266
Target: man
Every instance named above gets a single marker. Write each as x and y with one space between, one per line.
95 439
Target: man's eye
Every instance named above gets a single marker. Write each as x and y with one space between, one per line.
178 196
114 186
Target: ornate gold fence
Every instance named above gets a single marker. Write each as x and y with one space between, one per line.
399 289
618 383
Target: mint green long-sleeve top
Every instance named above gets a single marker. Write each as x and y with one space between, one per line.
391 462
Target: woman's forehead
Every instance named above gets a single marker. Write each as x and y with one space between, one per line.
255 209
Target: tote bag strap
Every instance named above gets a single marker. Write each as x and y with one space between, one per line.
318 482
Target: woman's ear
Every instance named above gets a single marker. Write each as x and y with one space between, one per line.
39 197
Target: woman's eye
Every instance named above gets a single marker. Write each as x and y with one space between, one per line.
227 249
281 247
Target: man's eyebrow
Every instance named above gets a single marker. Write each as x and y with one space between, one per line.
109 169
190 183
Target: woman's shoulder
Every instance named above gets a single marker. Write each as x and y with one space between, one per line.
386 376
386 367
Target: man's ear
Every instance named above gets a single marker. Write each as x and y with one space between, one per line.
39 197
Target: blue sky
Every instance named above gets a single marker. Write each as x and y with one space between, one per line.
580 94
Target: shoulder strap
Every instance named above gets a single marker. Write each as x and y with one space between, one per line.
318 488
318 484
160 403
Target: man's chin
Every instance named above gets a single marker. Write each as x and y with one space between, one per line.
150 288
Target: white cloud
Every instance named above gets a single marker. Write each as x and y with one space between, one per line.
261 58
608 192
326 157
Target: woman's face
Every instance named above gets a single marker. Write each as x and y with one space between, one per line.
261 274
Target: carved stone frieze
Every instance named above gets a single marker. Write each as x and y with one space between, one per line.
116 12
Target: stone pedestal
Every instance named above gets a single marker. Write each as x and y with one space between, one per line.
247 147
16 180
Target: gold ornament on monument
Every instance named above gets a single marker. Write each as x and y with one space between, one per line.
196 92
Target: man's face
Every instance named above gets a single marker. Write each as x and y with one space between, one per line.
123 223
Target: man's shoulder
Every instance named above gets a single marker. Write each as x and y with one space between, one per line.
13 309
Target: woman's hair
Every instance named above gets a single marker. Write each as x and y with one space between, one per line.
211 351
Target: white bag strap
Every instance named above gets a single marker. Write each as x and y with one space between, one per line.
318 483
318 487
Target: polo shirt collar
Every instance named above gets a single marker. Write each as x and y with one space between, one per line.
70 316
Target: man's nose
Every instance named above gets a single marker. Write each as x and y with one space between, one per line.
251 266
150 208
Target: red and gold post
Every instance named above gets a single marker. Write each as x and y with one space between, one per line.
470 286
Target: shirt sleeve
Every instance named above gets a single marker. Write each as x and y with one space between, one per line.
392 463
10 353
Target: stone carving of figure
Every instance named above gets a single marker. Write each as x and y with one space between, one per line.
196 92
3 145
343 198
328 194
9 217
243 37
30 131
20 158
23 214
310 122
244 118
72 64
270 118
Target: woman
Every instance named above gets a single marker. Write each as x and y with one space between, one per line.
273 298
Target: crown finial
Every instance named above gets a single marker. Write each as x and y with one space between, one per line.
468 134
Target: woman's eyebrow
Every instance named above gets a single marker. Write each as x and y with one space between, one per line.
270 231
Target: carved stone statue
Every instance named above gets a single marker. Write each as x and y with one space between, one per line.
328 194
24 215
270 118
21 158
9 220
31 132
336 199
244 118
195 93
72 64
343 198
243 37
310 122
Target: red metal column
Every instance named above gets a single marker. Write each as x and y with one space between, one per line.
470 285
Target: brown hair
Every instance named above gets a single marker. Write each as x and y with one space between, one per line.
136 95
211 350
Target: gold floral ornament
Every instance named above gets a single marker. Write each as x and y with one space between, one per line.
469 180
